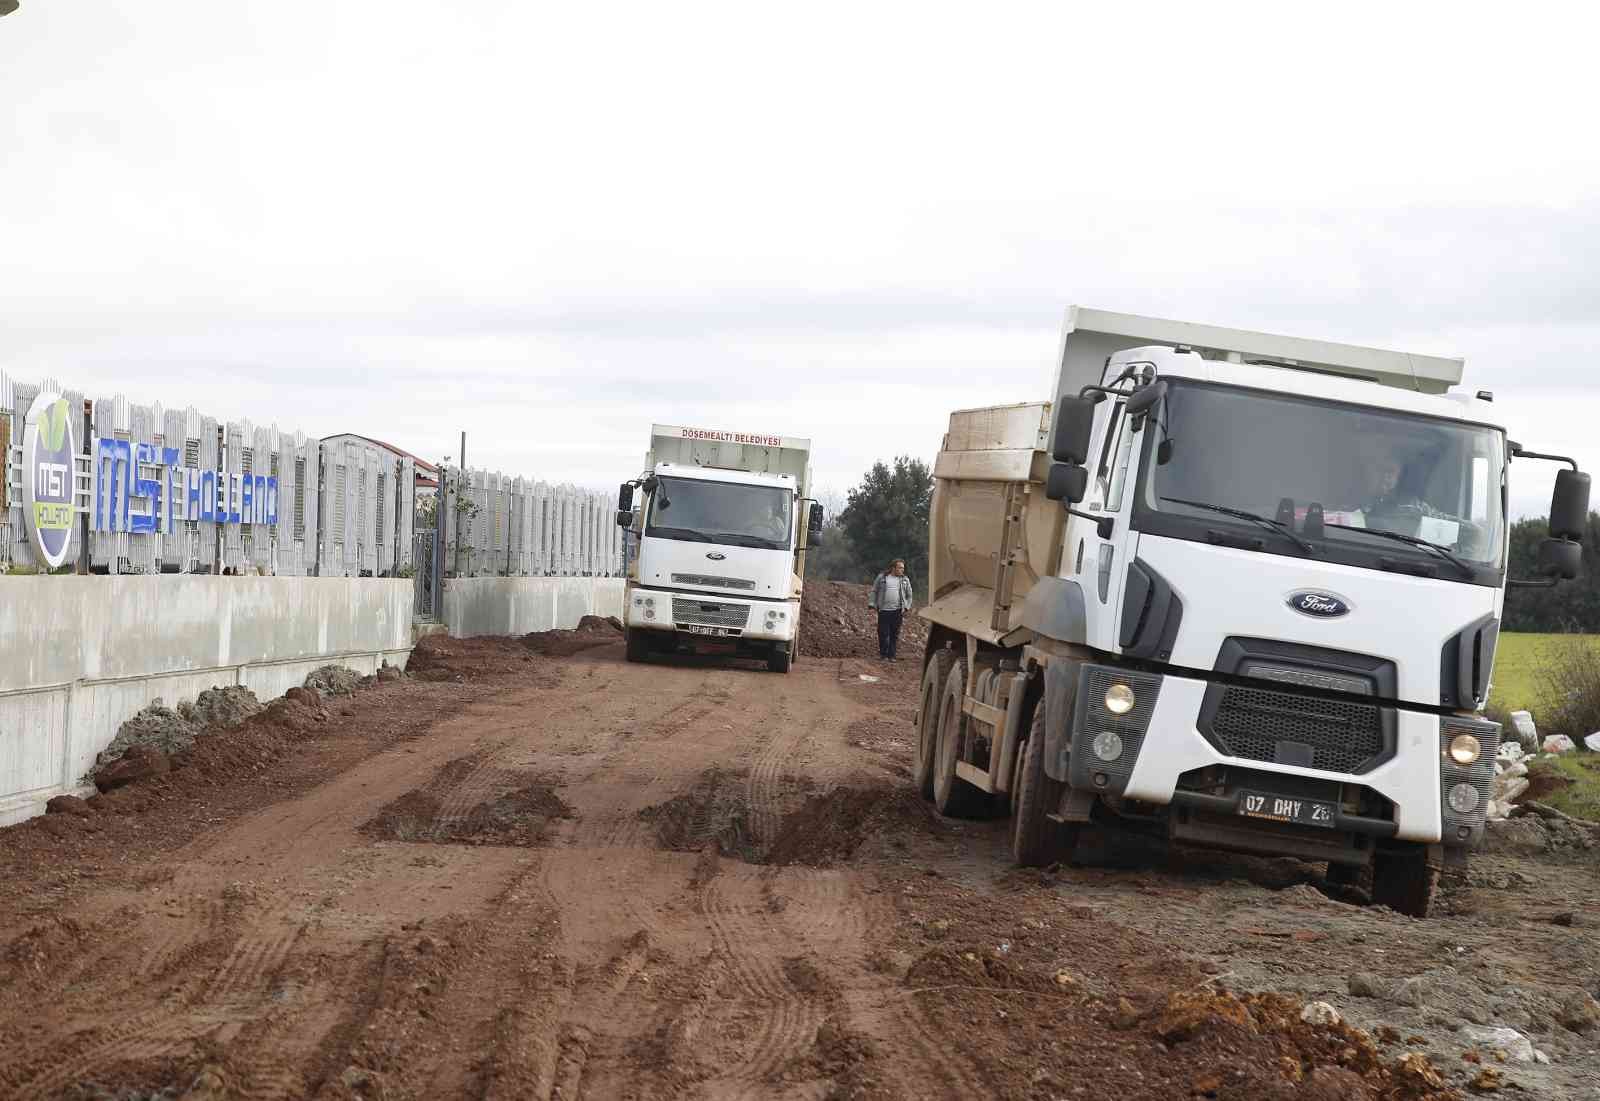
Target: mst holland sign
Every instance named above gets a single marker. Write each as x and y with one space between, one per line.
49 454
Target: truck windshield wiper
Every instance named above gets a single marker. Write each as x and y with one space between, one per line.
738 539
1238 513
1401 537
688 534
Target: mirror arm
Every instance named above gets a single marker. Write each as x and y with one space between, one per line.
1542 583
1519 452
1104 525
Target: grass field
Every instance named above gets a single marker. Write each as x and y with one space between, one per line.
1517 661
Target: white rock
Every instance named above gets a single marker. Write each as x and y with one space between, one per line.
1518 1048
1593 741
1559 743
1540 1057
1320 1013
1510 752
1497 811
1522 723
1507 790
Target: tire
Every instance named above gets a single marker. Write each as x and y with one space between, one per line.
1405 880
953 797
933 678
1036 840
779 661
636 644
1350 875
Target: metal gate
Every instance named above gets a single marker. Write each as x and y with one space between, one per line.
429 592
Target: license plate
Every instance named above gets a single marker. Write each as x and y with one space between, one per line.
1283 808
717 632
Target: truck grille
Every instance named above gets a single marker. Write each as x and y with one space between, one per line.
709 581
707 613
1257 724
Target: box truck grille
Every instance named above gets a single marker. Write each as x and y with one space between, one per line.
1260 725
710 582
708 613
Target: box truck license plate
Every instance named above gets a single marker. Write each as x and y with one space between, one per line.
1280 808
717 632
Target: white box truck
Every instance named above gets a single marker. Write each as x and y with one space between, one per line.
1235 590
720 539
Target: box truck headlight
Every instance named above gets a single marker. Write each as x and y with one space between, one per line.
1107 745
1464 749
1463 798
649 602
1119 700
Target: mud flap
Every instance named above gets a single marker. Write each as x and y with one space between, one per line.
1060 697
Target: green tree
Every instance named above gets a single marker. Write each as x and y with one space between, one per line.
1572 606
886 517
832 557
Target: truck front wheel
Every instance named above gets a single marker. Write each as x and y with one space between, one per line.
1036 840
1405 879
636 645
778 661
953 796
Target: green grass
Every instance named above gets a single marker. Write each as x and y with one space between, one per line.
1580 796
1517 661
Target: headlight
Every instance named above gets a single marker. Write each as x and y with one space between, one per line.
648 614
1120 699
1464 749
649 602
1463 798
1107 745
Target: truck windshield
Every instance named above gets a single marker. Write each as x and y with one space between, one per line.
1394 490
721 512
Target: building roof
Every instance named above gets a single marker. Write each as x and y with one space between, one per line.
422 464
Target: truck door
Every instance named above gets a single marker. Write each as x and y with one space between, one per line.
1098 562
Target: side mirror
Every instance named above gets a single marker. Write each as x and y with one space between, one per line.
814 518
1066 482
1069 437
1145 399
1560 559
1569 506
624 518
625 497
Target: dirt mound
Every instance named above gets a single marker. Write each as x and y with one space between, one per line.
437 812
591 631
443 658
835 622
819 830
157 727
223 707
334 680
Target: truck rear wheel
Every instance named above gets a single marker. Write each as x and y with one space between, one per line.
1405 879
953 796
636 644
933 678
1036 840
778 662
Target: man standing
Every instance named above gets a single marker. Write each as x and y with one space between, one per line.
891 596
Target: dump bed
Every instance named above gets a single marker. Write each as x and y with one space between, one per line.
753 452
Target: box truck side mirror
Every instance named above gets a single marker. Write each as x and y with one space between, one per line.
625 497
1569 505
1066 482
814 519
1561 555
1069 437
624 518
1560 559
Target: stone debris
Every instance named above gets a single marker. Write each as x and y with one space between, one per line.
1592 741
334 680
1320 1013
1516 1047
1527 734
224 707
1559 743
1510 780
156 727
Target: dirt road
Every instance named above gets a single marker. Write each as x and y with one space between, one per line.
531 873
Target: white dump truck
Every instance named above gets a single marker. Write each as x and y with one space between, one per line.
1236 590
721 534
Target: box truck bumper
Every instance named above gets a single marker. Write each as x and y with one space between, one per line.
1155 752
698 616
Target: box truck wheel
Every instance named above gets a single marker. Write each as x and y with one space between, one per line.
778 661
1036 840
933 678
636 644
1405 879
954 797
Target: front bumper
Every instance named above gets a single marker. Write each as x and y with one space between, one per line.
698 615
1160 742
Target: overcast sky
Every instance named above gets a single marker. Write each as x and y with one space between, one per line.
552 224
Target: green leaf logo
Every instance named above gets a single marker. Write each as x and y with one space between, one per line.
55 425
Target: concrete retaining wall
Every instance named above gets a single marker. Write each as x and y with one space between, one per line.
81 655
520 605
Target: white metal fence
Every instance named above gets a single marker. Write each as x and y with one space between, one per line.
497 525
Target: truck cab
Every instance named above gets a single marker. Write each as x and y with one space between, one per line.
720 549
1241 591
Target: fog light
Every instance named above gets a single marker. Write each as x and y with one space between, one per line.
649 602
1463 798
648 614
1464 749
1107 746
1120 699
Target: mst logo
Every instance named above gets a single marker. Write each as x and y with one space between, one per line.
48 449
1320 605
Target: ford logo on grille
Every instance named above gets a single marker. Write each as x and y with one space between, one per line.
1320 605
715 556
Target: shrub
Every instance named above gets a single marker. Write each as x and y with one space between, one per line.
1569 679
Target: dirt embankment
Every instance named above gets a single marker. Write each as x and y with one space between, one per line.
529 875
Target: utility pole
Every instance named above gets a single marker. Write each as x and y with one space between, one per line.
461 475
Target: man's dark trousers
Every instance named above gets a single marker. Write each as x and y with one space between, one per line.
889 632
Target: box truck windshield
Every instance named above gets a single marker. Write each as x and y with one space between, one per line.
721 512
1358 485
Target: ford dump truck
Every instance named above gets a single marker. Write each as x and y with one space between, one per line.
721 536
1236 590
